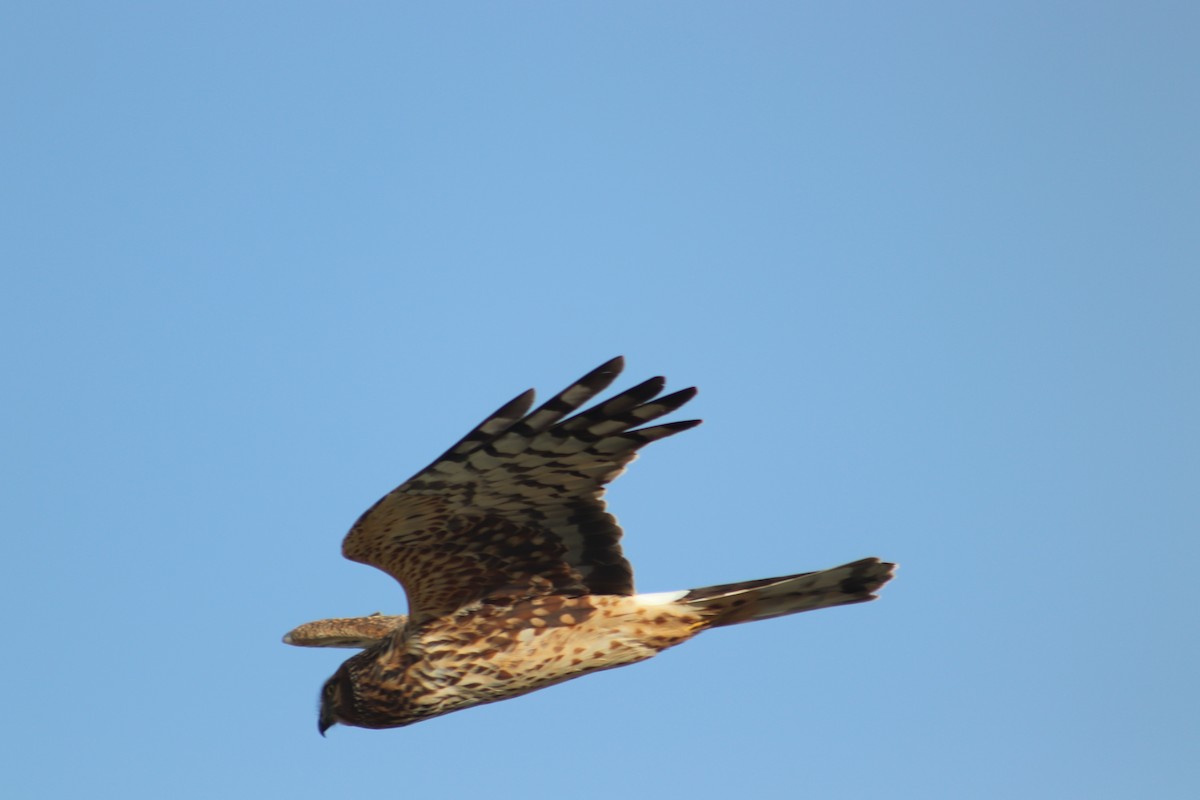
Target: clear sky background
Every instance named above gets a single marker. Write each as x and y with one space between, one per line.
934 267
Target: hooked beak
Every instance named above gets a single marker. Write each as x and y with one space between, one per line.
326 721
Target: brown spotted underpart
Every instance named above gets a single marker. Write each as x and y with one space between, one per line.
493 653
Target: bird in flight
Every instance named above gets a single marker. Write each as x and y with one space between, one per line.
513 566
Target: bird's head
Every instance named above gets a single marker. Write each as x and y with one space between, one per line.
337 700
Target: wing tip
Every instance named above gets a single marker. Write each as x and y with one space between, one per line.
604 374
506 415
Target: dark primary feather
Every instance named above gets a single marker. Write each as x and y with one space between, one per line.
514 509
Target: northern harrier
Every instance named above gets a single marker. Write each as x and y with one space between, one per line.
514 572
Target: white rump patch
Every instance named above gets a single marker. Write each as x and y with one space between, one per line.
659 598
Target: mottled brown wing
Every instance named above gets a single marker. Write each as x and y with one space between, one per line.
359 632
515 509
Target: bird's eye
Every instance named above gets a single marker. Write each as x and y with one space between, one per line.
330 689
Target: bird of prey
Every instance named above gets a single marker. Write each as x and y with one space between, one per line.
513 567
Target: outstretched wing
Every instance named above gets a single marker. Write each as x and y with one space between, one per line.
359 632
514 509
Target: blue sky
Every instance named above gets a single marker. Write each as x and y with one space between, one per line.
933 267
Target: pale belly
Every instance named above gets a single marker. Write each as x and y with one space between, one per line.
481 658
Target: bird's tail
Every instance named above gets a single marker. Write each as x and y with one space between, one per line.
732 603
